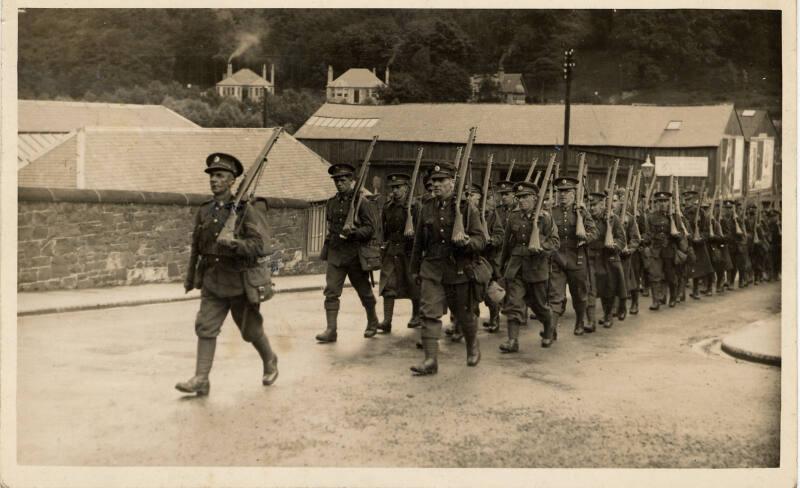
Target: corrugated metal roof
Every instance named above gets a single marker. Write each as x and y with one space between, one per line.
755 124
55 116
244 77
31 146
535 125
173 160
356 78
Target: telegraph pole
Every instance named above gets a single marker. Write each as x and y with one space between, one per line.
569 64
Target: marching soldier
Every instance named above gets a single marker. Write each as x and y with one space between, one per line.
774 228
604 261
508 200
629 256
341 251
442 266
722 261
663 245
736 243
492 252
396 280
219 275
569 267
756 251
526 272
701 268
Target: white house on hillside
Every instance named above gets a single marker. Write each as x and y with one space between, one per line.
357 86
245 84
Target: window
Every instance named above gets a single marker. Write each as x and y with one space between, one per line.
317 228
748 113
674 125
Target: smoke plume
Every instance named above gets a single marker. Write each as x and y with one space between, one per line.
245 40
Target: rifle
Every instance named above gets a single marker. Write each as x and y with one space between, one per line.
736 221
609 240
636 185
355 203
580 230
510 169
678 210
409 229
484 197
538 177
756 240
458 226
530 170
697 236
624 214
249 183
711 214
613 182
673 229
608 178
534 243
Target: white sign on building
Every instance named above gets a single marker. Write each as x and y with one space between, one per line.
682 166
760 161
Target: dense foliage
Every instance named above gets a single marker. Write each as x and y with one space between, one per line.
174 56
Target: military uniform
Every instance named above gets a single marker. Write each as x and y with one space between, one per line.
774 229
737 247
396 280
443 268
569 263
527 272
492 253
605 266
341 251
701 269
756 251
217 268
631 265
661 254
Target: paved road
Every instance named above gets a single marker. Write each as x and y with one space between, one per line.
96 388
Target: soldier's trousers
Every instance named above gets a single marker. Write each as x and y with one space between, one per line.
214 310
437 297
520 295
663 276
576 279
334 282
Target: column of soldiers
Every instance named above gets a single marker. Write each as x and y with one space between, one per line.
613 258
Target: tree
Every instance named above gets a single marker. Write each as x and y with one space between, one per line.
489 90
449 82
404 88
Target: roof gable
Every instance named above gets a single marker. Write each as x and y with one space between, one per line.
357 78
244 77
58 116
512 83
539 125
755 124
173 160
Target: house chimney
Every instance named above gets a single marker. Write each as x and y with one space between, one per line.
230 70
386 76
330 74
264 71
272 76
373 71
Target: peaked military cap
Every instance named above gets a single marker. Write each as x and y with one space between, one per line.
566 183
223 162
689 194
505 186
728 203
475 188
525 188
443 170
341 169
596 197
662 195
397 179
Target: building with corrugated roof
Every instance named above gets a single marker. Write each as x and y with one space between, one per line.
761 149
510 86
45 124
246 84
355 86
692 142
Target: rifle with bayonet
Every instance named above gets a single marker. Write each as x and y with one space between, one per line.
458 226
409 228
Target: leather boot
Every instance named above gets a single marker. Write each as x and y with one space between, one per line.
494 319
673 295
268 358
608 316
646 291
473 348
415 321
512 344
591 324
622 308
199 383
457 334
634 302
330 332
452 327
430 365
372 321
580 312
695 289
655 298
388 311
550 329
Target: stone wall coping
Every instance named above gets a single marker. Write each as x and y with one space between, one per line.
74 195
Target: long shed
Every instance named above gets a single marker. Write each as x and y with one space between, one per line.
690 141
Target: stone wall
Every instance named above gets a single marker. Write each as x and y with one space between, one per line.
87 238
